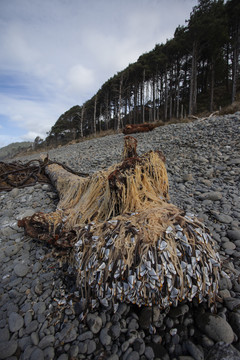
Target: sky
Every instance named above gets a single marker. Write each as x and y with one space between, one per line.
55 54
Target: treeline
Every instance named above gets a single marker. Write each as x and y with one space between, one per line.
196 70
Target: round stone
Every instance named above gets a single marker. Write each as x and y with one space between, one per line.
46 341
228 245
12 250
15 322
211 195
94 323
215 327
91 346
134 355
7 348
149 353
21 270
233 234
37 354
225 219
104 337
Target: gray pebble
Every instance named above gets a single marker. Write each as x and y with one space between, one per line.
232 303
104 337
127 353
12 250
139 346
211 195
15 322
7 348
36 267
63 357
21 270
125 346
68 333
113 357
233 234
37 354
149 353
193 350
4 334
223 351
115 331
74 351
31 327
134 355
225 283
91 346
82 347
225 219
215 327
35 338
178 311
27 318
49 353
94 323
85 336
46 341
228 245
24 342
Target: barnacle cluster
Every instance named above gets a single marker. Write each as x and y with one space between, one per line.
118 261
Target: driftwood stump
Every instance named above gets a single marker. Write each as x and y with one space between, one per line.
124 238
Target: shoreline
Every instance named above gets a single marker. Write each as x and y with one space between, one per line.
37 321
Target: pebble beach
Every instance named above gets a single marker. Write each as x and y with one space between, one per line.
40 307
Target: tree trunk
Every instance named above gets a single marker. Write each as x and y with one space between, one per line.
212 86
153 99
106 113
81 121
178 97
143 97
181 116
193 82
94 116
119 104
234 73
166 96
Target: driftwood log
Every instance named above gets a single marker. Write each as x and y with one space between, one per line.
136 128
123 237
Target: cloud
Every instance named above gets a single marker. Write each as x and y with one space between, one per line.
80 78
30 116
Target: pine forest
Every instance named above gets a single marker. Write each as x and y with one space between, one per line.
197 70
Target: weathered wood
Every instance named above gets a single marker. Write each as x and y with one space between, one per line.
124 239
136 128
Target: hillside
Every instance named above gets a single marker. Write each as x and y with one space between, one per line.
11 150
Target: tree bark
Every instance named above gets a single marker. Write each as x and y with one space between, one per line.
234 72
119 104
94 116
193 82
81 121
143 97
212 86
166 96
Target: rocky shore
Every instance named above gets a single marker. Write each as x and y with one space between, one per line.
40 308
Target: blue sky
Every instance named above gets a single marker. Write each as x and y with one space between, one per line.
56 54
